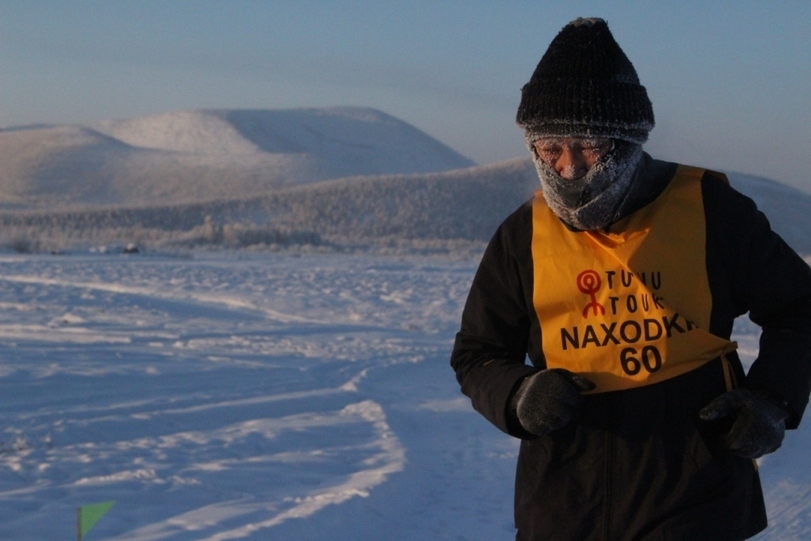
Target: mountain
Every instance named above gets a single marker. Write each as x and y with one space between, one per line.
202 155
338 176
462 204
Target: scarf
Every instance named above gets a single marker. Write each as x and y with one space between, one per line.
594 200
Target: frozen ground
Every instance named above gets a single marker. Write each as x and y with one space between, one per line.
226 396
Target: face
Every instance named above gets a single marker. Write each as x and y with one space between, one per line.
572 157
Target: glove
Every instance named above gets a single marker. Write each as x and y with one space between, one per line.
759 424
549 399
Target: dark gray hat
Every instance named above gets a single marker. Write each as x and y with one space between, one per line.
585 86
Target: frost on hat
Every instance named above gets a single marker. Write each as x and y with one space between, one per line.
585 86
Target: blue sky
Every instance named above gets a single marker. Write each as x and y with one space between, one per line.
730 81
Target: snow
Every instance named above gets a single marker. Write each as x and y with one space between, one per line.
261 396
184 156
180 131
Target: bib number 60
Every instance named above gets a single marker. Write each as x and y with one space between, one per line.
649 358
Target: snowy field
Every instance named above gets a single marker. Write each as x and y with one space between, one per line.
244 396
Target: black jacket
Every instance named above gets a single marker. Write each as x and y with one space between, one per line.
639 464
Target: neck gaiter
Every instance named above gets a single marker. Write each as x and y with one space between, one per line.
592 201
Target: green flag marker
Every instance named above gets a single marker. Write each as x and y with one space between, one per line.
88 515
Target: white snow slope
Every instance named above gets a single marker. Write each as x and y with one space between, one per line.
199 155
466 203
273 397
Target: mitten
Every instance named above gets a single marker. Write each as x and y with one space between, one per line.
758 423
549 399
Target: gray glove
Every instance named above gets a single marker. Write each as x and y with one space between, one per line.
549 399
759 424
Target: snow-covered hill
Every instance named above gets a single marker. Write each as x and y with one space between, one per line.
249 177
202 155
466 204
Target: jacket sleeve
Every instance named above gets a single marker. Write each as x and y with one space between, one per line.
490 349
773 284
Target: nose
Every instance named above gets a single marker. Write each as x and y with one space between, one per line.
571 164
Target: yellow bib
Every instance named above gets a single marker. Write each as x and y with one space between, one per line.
630 307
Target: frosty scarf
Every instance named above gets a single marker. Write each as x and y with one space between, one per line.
593 201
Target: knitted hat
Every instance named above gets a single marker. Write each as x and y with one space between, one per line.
585 86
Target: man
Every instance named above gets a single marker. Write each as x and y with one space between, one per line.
621 282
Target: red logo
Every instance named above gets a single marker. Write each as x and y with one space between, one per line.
589 282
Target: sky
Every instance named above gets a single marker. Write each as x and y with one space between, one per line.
729 80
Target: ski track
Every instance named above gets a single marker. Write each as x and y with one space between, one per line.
231 396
